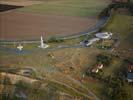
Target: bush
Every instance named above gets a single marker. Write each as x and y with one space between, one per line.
115 84
131 8
105 13
114 88
104 59
22 85
54 39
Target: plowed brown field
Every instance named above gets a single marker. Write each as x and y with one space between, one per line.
19 25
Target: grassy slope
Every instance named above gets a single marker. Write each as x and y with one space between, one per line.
82 8
122 25
115 64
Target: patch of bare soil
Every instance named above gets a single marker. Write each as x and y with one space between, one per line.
20 3
75 59
19 25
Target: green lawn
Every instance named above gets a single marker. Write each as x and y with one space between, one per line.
82 8
129 90
96 87
122 25
115 64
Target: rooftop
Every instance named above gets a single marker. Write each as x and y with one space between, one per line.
130 76
104 35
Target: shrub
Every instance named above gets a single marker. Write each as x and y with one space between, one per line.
54 39
104 59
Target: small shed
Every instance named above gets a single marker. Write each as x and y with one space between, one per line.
130 77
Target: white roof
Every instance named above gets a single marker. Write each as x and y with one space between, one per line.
92 40
104 35
20 47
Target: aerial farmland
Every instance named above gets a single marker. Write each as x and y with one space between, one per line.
49 17
66 50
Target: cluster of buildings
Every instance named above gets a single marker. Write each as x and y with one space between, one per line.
130 73
98 36
97 68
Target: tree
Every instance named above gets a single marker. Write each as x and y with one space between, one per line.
104 59
54 39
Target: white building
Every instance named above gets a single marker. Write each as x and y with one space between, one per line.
104 35
20 47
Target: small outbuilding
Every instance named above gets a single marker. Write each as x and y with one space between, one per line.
130 77
97 68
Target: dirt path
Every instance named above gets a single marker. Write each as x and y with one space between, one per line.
16 78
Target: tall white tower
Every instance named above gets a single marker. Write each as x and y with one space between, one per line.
42 44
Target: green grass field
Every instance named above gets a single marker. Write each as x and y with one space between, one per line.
122 25
115 64
82 8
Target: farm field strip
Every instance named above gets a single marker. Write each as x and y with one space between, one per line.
20 25
50 18
20 3
80 8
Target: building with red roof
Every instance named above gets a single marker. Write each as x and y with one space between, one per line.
130 68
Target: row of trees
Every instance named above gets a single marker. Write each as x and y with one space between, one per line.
114 88
107 11
55 40
104 59
115 84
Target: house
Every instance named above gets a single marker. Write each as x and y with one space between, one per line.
100 66
130 77
130 73
130 68
97 68
91 41
84 42
104 35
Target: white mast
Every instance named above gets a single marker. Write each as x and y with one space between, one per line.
42 44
